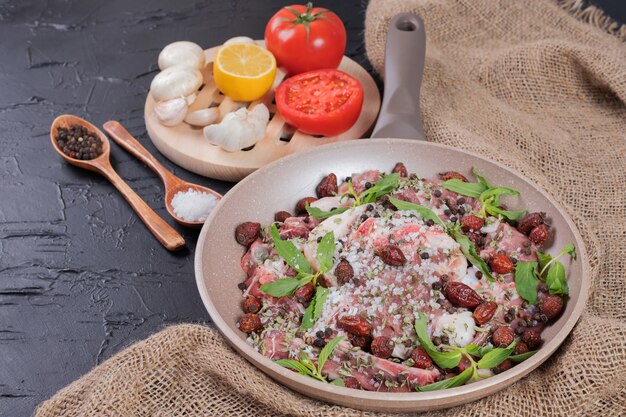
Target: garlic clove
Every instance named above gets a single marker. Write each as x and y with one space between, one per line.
183 53
239 39
239 129
171 112
191 98
174 82
203 117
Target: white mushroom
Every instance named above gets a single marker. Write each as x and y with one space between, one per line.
240 129
174 82
239 39
183 53
203 117
171 112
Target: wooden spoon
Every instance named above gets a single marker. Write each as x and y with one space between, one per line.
159 228
171 182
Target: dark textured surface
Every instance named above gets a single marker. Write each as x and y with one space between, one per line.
80 276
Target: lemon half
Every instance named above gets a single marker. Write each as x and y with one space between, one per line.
244 72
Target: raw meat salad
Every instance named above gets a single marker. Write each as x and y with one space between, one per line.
393 282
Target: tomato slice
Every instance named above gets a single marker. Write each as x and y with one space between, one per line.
323 102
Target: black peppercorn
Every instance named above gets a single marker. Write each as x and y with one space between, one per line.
424 255
461 200
430 222
447 212
319 334
437 193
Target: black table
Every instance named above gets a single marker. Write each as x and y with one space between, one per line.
80 276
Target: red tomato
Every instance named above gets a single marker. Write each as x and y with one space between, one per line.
303 38
323 102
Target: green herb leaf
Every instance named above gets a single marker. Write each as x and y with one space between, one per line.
494 194
424 212
326 252
496 356
481 179
445 360
306 361
339 382
469 189
569 249
556 279
522 356
544 259
321 214
526 281
457 381
295 365
509 214
314 310
384 186
290 253
474 350
469 250
285 286
326 352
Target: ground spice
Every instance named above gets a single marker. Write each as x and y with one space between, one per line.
78 142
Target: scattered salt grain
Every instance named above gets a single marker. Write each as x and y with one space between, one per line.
192 205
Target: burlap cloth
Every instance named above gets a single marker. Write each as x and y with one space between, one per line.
537 85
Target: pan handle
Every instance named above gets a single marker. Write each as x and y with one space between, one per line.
404 66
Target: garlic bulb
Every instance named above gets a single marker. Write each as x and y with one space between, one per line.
203 117
240 129
171 112
239 39
183 53
176 81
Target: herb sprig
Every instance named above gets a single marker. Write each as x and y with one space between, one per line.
548 269
451 356
305 366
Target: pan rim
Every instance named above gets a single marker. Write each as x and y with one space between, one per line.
393 401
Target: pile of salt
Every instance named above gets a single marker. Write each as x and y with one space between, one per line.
192 205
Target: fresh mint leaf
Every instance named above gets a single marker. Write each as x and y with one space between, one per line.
445 360
457 381
326 352
526 281
469 250
496 356
556 279
339 382
285 286
570 249
424 212
326 252
384 186
481 179
469 189
314 310
290 253
544 259
295 365
479 352
321 214
522 356
509 214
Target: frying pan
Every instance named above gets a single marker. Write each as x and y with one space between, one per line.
279 185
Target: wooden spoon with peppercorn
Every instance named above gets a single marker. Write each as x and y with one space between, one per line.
82 144
172 184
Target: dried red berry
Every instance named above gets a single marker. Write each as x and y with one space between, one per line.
382 347
304 293
250 323
504 366
301 204
251 305
530 221
351 382
476 239
281 216
391 255
539 234
363 342
344 272
520 348
502 337
421 359
400 168
532 337
552 305
461 295
484 312
448 175
247 232
501 264
356 325
327 187
472 222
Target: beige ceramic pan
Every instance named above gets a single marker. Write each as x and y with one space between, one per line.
279 185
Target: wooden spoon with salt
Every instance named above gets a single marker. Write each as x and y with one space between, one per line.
171 182
101 164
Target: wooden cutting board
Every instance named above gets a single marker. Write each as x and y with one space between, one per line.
185 145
